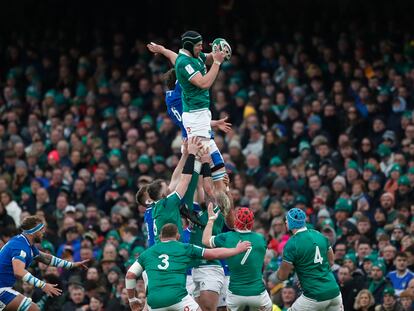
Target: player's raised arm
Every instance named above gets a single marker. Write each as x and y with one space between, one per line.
19 271
194 145
205 82
51 260
208 186
208 230
160 49
175 178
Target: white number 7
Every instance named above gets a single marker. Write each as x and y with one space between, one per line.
243 261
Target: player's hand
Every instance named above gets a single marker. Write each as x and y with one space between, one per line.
226 180
211 215
222 124
52 290
218 56
155 48
243 246
81 264
205 155
194 145
136 305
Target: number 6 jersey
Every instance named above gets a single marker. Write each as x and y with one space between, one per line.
307 251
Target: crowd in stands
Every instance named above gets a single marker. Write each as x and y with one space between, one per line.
323 123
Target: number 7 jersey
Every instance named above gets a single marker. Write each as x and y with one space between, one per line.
307 251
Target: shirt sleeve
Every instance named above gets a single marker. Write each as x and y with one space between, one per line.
187 69
218 240
141 260
35 251
289 252
173 200
195 251
203 57
19 254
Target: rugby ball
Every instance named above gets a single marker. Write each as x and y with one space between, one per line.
221 44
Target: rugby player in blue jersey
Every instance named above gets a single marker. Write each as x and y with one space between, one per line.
15 258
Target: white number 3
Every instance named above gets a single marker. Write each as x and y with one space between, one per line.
318 258
164 261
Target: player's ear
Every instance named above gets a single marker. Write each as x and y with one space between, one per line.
177 237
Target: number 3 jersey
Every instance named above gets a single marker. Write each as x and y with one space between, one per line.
166 264
307 251
246 277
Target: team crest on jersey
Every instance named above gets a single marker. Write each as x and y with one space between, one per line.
188 130
23 254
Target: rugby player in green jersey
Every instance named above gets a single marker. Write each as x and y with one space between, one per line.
246 288
166 264
309 254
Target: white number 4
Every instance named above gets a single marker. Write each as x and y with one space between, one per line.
318 258
164 261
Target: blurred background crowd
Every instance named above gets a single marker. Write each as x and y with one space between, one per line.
321 102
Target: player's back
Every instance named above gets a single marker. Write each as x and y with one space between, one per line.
246 277
166 210
166 264
19 248
307 250
150 225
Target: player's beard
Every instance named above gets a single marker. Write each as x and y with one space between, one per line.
37 239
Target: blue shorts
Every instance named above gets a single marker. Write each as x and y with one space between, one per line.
7 294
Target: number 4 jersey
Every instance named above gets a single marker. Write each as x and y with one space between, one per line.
307 251
166 264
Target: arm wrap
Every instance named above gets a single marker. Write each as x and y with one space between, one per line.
189 165
60 263
29 278
206 170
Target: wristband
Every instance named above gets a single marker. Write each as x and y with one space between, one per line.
29 278
189 165
217 62
132 300
61 263
205 170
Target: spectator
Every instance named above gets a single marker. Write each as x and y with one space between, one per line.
364 301
402 275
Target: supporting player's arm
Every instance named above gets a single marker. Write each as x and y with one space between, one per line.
208 230
160 49
51 260
222 253
205 82
131 283
21 273
194 146
206 172
175 178
284 271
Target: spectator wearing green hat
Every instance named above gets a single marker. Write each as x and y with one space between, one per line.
387 158
390 302
343 210
405 191
378 283
394 174
160 168
144 164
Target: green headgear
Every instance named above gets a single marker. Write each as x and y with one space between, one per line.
189 39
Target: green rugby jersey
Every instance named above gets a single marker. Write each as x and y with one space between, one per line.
246 277
307 251
186 67
166 264
167 210
196 236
